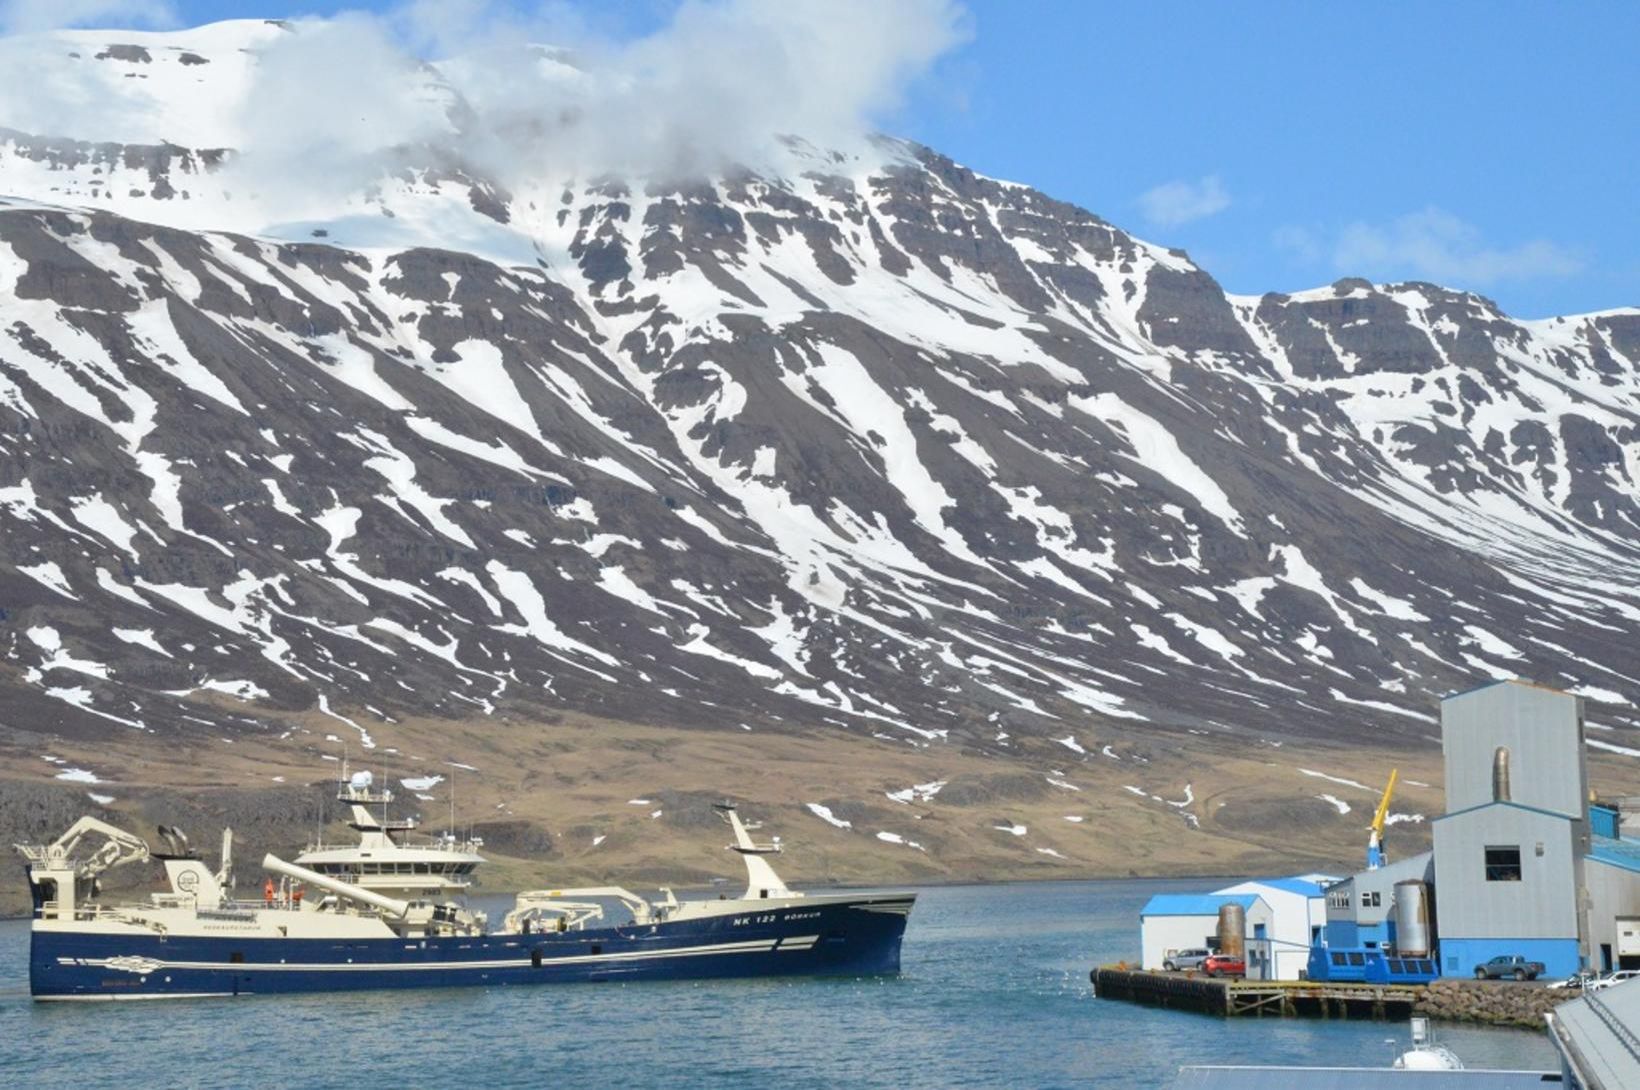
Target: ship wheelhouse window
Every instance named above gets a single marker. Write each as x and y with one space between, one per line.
1503 864
421 868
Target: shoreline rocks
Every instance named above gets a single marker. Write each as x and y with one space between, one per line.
1493 1003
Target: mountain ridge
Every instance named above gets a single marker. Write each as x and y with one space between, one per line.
881 445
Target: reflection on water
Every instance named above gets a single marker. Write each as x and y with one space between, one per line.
994 993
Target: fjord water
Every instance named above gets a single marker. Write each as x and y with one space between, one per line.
994 993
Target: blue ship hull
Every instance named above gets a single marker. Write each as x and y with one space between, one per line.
855 937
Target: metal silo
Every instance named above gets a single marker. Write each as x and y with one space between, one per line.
1232 929
1412 937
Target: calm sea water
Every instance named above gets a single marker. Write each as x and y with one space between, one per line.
994 993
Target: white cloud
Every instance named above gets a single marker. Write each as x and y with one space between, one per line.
1301 242
1436 245
33 16
1174 203
520 95
719 85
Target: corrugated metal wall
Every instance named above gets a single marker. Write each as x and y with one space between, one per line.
1614 894
1541 905
1543 730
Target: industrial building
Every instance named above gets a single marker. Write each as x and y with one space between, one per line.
1379 912
1510 851
1524 863
1284 917
1171 922
1612 872
1298 914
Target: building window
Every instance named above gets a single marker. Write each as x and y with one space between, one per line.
1371 899
1503 864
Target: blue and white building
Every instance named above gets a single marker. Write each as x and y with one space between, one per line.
1511 851
1612 871
1298 913
1283 917
1523 863
1171 922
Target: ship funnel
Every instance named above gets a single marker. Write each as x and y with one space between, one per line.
1500 774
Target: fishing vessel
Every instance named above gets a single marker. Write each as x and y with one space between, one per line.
386 913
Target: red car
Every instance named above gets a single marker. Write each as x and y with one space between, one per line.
1224 965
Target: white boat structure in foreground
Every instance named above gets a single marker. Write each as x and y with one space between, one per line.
382 914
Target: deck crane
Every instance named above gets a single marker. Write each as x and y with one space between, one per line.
1375 843
60 875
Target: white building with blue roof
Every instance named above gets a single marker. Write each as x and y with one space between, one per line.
1173 922
1298 913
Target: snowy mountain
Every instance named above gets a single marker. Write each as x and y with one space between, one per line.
858 440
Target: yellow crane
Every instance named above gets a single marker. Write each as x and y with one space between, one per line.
1375 842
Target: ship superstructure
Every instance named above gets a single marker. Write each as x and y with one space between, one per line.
388 857
348 927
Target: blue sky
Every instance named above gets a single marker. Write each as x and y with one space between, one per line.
1489 146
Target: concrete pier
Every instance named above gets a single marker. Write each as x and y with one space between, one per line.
1229 997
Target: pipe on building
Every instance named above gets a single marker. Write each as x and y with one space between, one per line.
1500 774
392 907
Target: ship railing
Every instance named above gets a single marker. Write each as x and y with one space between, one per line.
397 879
347 792
84 912
421 844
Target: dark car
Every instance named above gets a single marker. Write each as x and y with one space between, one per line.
1186 959
1224 965
1510 965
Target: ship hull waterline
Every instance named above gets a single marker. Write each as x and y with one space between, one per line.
855 937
